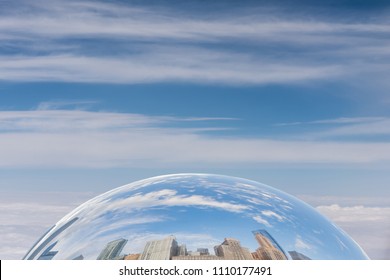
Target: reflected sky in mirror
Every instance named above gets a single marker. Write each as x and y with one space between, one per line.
195 216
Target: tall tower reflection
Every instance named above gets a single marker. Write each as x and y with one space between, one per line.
269 249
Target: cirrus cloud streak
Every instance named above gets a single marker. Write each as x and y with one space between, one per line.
75 138
98 42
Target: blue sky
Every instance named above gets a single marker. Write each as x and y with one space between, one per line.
97 94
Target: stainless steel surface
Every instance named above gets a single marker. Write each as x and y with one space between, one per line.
195 216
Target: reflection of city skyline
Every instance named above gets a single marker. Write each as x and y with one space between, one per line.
230 249
200 210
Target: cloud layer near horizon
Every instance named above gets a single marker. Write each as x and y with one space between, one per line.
369 226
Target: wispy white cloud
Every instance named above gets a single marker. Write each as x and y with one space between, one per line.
155 44
271 214
177 64
51 117
73 18
300 244
261 220
358 126
72 120
168 197
74 138
63 104
343 120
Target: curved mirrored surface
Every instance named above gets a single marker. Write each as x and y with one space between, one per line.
195 216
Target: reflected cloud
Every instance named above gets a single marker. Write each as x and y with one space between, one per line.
271 214
300 244
262 221
169 197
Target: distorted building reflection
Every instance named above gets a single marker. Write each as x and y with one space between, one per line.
182 251
203 251
231 249
112 250
160 249
269 249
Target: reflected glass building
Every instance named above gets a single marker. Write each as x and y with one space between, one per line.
112 250
210 216
163 249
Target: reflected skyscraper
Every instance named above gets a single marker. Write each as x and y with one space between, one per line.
203 251
182 250
269 249
163 249
112 249
231 249
269 237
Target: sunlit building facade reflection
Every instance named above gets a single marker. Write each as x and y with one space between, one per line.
269 249
231 249
131 257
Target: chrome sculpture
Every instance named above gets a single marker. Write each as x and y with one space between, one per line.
195 217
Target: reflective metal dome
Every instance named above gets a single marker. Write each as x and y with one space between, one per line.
195 216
